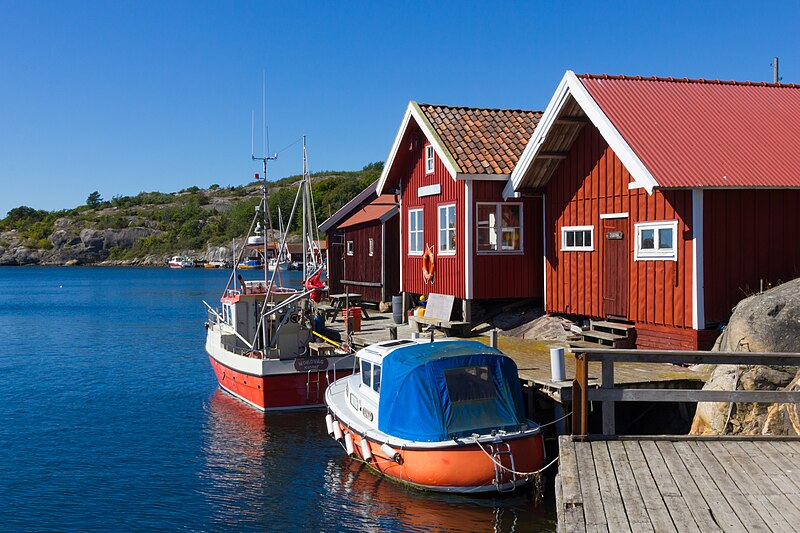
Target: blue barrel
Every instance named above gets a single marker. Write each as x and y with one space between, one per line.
397 309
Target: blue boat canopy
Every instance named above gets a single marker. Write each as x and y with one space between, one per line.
439 391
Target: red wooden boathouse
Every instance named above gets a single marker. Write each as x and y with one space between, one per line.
449 166
363 242
666 200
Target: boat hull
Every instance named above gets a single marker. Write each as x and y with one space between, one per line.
462 468
275 384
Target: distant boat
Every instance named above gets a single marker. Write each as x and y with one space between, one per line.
179 261
445 416
214 264
251 263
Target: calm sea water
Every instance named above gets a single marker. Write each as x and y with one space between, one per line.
111 419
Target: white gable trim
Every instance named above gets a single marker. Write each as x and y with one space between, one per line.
698 263
571 86
413 110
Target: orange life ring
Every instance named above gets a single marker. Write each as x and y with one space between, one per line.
428 265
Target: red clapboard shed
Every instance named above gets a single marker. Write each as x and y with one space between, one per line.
363 247
449 166
666 200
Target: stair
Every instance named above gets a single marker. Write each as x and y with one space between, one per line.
610 334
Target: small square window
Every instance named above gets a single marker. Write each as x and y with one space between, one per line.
349 247
656 241
447 228
371 247
429 159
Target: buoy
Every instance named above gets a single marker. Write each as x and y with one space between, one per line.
337 431
391 453
329 423
348 444
366 453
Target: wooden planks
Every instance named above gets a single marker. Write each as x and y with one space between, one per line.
684 484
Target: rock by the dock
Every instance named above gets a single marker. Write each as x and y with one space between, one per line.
767 322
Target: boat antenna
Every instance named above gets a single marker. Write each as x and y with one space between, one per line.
266 157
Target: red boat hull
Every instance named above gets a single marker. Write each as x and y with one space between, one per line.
274 392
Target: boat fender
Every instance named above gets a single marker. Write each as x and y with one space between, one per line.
366 453
329 424
391 453
348 444
337 431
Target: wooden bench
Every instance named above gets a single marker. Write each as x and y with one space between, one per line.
321 349
327 312
437 314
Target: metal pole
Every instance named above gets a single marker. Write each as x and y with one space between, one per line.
775 77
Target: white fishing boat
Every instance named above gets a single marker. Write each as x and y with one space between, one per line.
258 339
180 261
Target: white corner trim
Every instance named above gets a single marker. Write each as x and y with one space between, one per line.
698 282
626 155
613 215
413 111
468 241
632 186
539 135
509 192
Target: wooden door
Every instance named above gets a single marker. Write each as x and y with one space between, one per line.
616 265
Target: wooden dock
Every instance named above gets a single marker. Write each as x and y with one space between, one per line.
678 484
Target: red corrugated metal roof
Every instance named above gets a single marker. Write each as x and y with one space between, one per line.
372 211
701 133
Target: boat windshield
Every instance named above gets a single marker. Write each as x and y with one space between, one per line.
468 384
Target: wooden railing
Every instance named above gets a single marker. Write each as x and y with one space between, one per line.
608 394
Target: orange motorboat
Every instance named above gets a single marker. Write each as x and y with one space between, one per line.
445 415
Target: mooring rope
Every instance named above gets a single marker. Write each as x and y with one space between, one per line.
523 474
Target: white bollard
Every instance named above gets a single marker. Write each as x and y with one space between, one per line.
415 335
493 338
557 372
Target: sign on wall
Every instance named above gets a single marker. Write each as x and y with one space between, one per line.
429 190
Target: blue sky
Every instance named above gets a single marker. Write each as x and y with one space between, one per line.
123 97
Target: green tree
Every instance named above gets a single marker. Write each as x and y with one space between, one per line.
94 199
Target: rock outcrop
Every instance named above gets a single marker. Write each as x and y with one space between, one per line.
767 322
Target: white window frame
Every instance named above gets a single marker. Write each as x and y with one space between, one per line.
573 248
656 254
371 246
412 232
444 247
499 226
430 159
350 248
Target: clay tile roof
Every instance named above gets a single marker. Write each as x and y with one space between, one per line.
705 133
483 141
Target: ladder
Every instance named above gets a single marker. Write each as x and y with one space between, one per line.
500 452
312 386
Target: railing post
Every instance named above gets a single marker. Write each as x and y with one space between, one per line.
580 398
609 425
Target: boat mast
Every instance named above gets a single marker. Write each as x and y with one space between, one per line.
305 210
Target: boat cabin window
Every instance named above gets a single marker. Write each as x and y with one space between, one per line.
469 384
376 378
227 314
366 373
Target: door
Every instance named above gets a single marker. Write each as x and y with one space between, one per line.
615 266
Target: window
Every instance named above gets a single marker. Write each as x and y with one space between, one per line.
469 384
415 232
371 247
366 373
447 228
349 247
428 159
657 240
499 227
376 378
577 238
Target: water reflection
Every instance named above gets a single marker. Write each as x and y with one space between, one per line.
283 472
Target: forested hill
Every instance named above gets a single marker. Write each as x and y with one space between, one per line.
148 227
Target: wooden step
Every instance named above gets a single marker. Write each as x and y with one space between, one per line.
606 339
616 328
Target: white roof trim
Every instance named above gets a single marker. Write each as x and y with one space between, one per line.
413 110
571 86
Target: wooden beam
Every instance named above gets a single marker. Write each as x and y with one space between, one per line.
698 395
580 396
552 155
572 120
